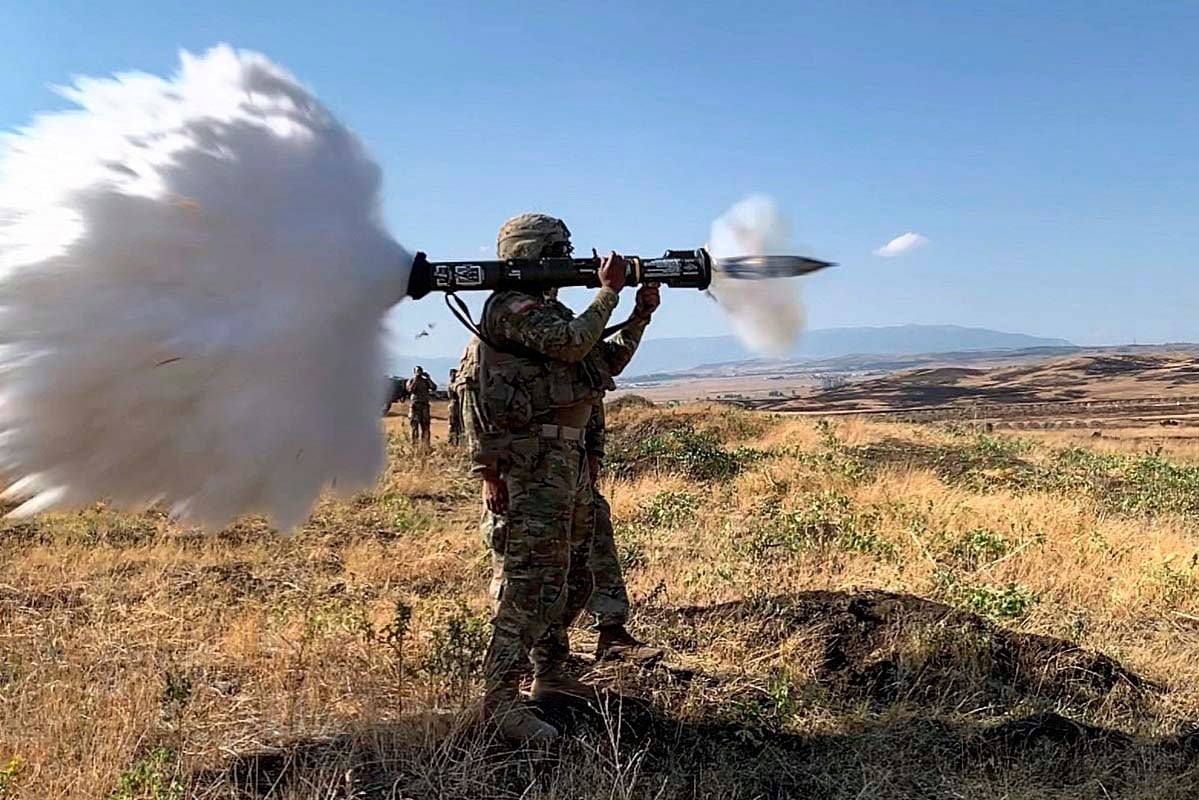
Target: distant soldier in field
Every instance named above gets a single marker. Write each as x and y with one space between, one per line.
420 392
454 409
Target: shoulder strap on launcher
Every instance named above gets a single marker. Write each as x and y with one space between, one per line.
459 309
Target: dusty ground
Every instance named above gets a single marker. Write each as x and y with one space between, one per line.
1112 392
766 388
1146 385
851 609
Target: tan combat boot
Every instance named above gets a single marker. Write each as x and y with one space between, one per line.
617 644
517 724
555 682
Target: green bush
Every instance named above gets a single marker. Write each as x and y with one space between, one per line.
1003 602
827 520
1153 485
978 547
1178 580
1009 602
153 777
9 773
457 649
670 509
772 708
630 547
684 450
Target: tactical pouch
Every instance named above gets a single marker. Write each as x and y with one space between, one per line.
506 400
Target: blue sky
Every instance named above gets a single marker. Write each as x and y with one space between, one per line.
1049 152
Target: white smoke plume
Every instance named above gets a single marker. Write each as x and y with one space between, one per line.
193 280
766 314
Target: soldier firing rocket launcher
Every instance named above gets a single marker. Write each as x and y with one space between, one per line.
691 269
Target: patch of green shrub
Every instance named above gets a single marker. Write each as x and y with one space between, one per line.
153 777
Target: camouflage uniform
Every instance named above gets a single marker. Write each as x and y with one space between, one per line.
609 602
536 394
420 391
454 409
531 543
467 384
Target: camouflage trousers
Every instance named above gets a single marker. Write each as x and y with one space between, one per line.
454 415
609 603
541 578
419 420
470 420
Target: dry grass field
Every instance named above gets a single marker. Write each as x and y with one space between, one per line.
851 609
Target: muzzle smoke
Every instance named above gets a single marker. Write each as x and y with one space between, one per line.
193 280
766 314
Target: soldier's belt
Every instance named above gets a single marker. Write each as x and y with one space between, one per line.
563 432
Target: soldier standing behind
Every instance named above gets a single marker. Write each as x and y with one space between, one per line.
468 395
609 601
606 596
454 410
420 392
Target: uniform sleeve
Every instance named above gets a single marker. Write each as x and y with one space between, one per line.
596 434
618 351
525 321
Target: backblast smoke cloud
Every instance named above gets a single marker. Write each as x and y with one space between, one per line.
193 278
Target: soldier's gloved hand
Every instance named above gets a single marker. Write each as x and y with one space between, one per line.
611 272
648 300
495 493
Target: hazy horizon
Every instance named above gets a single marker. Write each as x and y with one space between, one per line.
650 336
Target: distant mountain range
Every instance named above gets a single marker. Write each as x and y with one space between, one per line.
674 354
666 355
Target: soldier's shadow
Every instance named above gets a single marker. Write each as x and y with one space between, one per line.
453 756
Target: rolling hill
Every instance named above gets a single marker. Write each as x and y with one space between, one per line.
671 354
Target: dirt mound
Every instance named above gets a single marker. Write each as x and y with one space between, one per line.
628 401
881 646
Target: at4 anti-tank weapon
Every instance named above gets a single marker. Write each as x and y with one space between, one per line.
692 269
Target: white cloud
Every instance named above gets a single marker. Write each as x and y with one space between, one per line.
901 244
483 248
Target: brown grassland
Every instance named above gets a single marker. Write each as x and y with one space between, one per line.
851 610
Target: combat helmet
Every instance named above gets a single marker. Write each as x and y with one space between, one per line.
531 235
